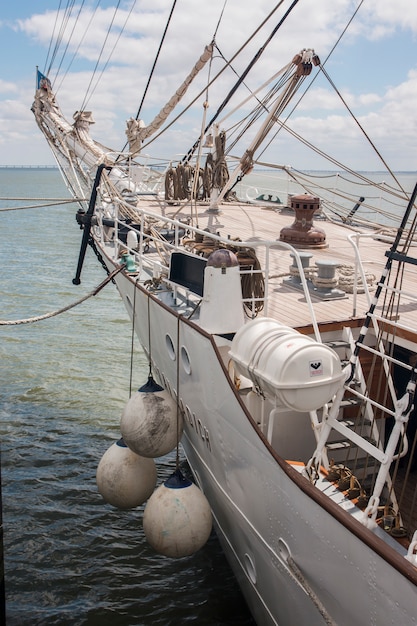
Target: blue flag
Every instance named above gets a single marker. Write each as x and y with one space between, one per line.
43 82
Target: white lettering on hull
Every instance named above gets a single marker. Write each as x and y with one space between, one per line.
198 426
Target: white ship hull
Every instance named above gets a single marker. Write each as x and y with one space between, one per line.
297 559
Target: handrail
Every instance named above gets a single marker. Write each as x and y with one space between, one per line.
267 245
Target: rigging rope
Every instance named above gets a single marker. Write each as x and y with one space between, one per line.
156 59
246 122
99 56
246 71
70 37
37 206
283 124
361 128
321 67
67 13
153 68
86 101
57 88
204 90
39 318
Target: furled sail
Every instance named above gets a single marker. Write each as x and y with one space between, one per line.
136 130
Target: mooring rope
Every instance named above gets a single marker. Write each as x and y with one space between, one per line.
39 318
38 206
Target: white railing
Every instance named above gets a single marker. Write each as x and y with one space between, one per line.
263 249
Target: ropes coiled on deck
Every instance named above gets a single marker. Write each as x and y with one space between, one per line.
179 179
253 283
178 182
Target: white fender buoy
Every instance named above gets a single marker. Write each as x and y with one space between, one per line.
125 479
177 519
150 424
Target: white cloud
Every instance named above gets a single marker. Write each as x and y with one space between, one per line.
386 112
7 87
384 16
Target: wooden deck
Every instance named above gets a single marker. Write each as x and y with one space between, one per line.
253 223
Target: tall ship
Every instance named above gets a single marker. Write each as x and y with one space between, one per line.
277 312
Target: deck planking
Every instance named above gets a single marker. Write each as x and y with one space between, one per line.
251 223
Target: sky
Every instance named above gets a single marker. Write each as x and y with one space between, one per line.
374 67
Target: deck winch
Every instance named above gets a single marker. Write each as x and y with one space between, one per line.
295 370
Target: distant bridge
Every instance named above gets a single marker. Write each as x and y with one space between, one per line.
28 167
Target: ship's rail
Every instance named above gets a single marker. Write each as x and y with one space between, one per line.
154 237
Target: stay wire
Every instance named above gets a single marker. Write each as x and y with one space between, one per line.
220 19
52 37
283 124
47 68
355 119
214 44
254 60
243 125
325 73
110 55
152 70
258 100
64 22
57 88
69 38
213 80
156 59
100 55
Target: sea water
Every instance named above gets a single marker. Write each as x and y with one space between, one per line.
70 559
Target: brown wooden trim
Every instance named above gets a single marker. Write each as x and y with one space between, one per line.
327 327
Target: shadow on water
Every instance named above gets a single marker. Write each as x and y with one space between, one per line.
71 559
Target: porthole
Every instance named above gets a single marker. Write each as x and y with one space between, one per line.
170 347
185 360
283 550
250 568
